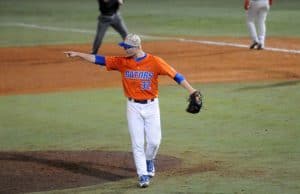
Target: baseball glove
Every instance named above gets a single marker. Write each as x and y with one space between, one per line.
195 102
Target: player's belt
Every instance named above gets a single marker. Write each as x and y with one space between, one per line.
141 101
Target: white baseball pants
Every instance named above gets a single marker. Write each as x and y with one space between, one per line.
256 17
144 125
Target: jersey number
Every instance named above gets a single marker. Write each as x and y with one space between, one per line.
146 85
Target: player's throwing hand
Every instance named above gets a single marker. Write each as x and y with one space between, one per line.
70 54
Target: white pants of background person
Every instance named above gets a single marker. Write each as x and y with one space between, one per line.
144 124
256 18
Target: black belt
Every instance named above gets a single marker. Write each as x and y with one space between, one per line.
141 101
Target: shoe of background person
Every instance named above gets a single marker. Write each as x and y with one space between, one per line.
253 45
260 47
144 181
150 168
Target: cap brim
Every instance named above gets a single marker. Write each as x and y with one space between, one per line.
123 44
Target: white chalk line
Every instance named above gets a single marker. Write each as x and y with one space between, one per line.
84 31
239 45
48 28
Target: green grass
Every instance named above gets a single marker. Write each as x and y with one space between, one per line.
251 127
156 17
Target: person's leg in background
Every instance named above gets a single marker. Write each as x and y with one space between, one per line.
251 16
119 25
102 26
261 25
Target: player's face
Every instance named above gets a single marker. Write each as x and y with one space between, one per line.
131 51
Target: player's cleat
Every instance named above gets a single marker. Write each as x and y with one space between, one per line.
150 168
260 47
144 181
253 45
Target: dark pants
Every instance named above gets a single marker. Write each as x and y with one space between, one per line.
104 22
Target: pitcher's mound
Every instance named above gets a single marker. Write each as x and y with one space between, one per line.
43 171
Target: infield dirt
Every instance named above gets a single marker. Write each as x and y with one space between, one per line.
46 68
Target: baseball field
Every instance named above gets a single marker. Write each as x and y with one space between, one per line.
63 125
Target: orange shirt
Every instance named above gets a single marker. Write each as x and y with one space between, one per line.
140 78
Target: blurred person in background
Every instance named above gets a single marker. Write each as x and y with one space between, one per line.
109 16
256 12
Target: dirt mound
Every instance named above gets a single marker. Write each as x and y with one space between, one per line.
43 171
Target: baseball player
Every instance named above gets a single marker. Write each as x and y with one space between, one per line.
256 12
109 16
139 72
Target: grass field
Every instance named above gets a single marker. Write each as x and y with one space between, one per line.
33 22
251 128
261 135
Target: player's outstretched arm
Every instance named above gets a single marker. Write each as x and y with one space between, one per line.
187 86
85 56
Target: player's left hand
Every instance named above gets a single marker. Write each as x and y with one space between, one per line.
195 102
